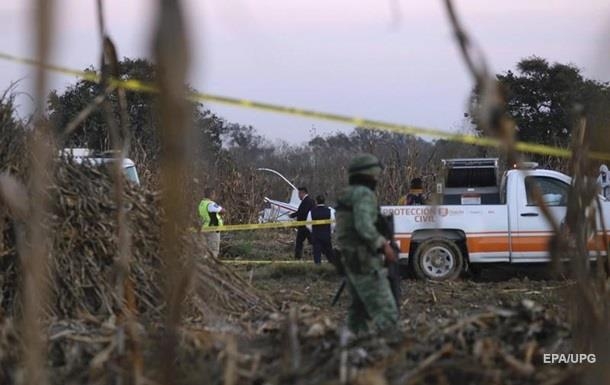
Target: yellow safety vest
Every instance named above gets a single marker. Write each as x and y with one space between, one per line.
205 216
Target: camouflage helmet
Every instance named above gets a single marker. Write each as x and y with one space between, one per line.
365 164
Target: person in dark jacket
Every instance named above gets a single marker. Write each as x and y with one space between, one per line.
301 214
321 234
415 196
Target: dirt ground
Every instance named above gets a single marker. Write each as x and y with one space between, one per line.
494 329
466 332
491 330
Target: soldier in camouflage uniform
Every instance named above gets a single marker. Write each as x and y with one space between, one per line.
373 306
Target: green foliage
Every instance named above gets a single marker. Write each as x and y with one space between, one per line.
541 97
226 155
143 117
12 135
8 120
93 132
546 100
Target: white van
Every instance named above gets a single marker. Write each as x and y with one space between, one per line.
82 155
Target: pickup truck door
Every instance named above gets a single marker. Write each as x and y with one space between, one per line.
531 231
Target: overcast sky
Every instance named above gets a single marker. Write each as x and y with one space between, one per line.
392 60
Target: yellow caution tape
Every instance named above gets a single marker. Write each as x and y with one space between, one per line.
259 226
263 262
139 86
87 75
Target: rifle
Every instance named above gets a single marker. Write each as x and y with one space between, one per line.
339 291
336 261
385 226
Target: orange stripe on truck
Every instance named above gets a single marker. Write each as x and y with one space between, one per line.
521 242
487 244
530 243
405 244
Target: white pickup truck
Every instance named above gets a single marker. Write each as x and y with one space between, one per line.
440 242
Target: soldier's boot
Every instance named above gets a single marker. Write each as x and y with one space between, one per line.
357 323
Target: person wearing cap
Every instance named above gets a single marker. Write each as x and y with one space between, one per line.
373 307
603 181
415 195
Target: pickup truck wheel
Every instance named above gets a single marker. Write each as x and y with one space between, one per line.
438 260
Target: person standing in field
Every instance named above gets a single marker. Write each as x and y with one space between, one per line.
321 234
210 214
360 244
301 214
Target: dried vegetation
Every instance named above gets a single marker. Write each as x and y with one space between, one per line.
100 282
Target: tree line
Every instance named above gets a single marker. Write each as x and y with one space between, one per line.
544 99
